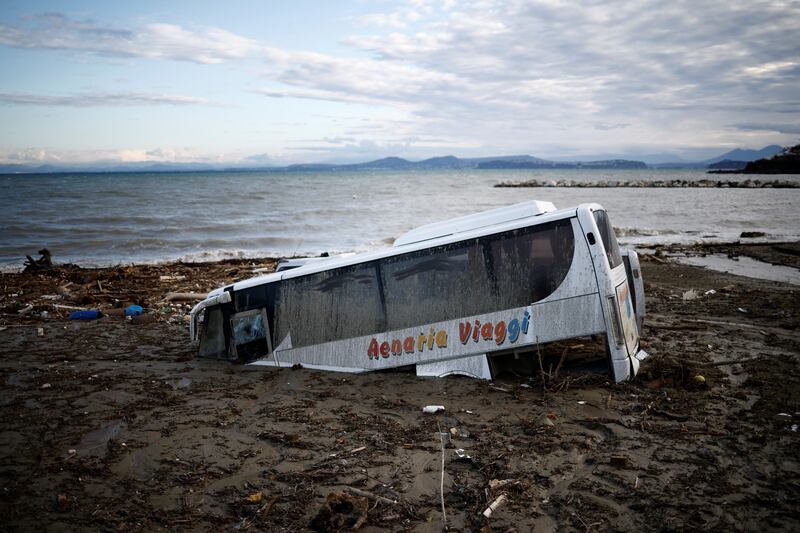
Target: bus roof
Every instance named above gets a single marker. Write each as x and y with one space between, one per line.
505 224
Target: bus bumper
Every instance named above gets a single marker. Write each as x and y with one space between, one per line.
628 367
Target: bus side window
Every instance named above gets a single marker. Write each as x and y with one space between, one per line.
437 284
329 305
531 263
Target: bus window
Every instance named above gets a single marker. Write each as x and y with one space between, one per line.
434 285
212 342
531 263
329 305
609 239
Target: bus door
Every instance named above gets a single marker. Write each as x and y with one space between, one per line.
250 335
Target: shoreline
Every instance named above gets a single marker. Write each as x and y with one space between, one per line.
116 424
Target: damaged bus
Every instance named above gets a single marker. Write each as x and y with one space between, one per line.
447 298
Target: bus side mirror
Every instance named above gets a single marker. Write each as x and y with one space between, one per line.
590 236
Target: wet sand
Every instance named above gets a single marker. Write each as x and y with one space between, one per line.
114 424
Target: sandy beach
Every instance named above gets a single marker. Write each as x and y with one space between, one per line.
114 424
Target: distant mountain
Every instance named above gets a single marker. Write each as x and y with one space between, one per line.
541 164
746 154
398 163
433 163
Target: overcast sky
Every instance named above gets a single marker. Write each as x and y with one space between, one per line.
298 81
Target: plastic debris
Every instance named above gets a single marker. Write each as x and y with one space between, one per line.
461 455
691 294
430 409
710 292
700 379
47 386
91 314
741 310
134 310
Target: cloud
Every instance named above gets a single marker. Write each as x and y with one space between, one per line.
778 128
101 99
505 75
55 31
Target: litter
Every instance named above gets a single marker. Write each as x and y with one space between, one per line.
494 506
710 292
741 310
134 310
25 310
581 402
90 314
430 409
462 456
689 295
255 497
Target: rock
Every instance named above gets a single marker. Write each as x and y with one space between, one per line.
752 234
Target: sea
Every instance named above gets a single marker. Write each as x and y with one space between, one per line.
101 219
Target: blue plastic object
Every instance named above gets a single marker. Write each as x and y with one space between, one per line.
134 310
92 314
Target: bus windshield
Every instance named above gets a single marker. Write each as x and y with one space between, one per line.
609 239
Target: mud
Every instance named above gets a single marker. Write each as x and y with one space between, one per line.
114 424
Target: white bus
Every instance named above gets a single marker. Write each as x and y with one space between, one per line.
446 298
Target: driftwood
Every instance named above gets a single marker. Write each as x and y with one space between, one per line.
43 263
371 496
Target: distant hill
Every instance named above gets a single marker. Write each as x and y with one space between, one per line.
787 162
446 162
746 154
739 154
727 164
612 163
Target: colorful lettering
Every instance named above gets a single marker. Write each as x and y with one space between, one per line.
430 340
421 342
486 331
513 330
372 352
397 347
385 349
441 339
408 345
476 331
525 318
500 333
464 329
